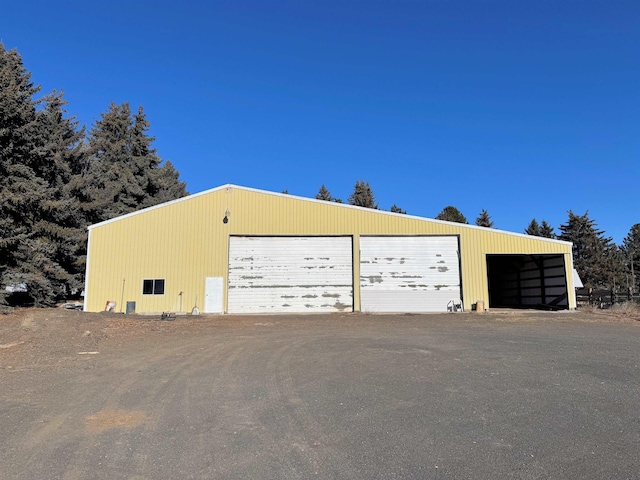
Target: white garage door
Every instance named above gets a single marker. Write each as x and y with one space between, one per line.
409 274
290 274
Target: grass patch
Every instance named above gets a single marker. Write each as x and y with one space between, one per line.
631 309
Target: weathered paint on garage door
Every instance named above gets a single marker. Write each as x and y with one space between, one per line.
290 274
409 274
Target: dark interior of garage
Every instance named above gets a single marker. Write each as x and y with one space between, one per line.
527 281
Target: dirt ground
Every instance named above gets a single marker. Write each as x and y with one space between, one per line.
505 394
48 336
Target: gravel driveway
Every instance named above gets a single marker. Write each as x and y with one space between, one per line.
528 395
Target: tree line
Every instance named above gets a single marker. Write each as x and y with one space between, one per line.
57 177
363 196
599 262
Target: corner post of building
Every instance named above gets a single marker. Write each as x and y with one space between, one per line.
571 291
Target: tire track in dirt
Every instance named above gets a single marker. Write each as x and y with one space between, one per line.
306 435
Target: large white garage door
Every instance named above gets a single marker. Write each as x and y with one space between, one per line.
409 274
290 274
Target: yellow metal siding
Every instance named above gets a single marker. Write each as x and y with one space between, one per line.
186 241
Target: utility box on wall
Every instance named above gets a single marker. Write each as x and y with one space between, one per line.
131 307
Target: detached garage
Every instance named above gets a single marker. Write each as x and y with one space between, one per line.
239 250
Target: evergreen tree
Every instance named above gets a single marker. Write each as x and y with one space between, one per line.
159 180
362 196
546 230
540 230
533 228
62 226
165 184
594 256
124 173
53 184
21 189
451 214
484 219
396 209
104 178
324 194
39 229
631 254
617 269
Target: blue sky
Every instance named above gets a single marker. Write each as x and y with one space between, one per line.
524 108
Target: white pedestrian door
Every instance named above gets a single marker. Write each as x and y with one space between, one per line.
213 295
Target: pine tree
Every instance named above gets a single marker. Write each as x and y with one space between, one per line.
631 254
53 184
484 219
533 228
362 196
540 230
39 230
103 178
397 209
124 173
617 272
451 214
62 224
165 184
20 186
159 181
324 194
546 230
594 255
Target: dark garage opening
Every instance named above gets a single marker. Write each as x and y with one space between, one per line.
527 281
